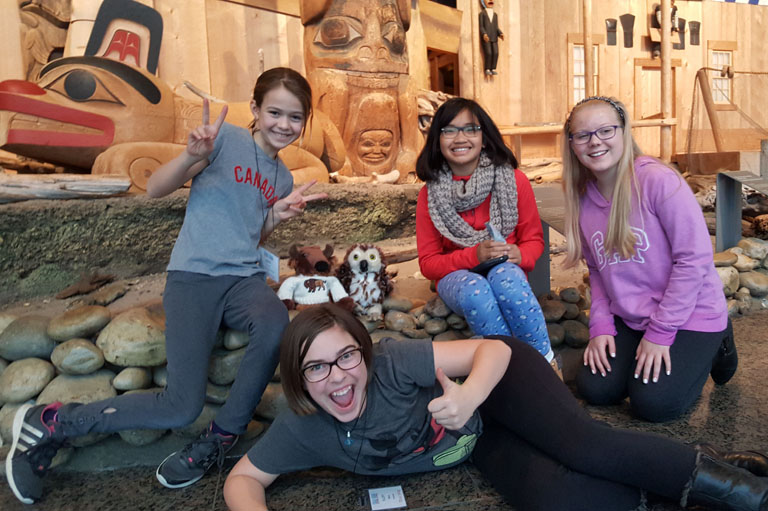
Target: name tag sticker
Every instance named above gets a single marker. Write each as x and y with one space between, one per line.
391 497
271 264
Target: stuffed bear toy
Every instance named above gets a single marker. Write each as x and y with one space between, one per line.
313 282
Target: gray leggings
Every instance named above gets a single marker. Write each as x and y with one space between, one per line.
195 306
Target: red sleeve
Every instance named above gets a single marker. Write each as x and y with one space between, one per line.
528 235
434 262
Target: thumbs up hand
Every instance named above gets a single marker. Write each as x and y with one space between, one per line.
454 408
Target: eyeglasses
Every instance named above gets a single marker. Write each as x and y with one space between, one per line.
583 137
470 131
320 371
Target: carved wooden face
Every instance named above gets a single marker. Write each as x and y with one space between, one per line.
374 146
359 35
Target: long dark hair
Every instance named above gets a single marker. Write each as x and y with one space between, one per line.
293 83
430 161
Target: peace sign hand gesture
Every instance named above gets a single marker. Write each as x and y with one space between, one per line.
294 204
201 140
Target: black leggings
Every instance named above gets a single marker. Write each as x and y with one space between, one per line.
542 450
691 357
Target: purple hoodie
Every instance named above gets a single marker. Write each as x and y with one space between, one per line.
670 283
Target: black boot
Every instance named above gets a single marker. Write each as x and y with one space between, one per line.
754 461
727 360
719 486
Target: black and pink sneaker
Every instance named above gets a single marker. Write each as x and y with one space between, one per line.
189 465
35 443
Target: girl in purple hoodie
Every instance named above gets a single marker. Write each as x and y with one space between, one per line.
659 321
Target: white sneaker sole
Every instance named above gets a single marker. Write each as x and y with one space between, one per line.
18 420
169 485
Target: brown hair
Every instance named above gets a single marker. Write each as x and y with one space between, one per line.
299 336
292 81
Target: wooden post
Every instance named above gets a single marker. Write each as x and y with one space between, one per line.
12 63
764 158
709 104
665 140
588 61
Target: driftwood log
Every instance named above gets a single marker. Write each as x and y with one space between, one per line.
18 187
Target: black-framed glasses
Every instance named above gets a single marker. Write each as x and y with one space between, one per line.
583 137
470 131
321 370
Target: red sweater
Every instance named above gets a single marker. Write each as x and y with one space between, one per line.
438 256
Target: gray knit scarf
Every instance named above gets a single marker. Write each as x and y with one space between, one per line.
448 197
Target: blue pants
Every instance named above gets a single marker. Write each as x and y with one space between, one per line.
195 306
500 304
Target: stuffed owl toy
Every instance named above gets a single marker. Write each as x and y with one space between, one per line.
363 275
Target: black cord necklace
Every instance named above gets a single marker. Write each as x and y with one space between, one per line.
348 440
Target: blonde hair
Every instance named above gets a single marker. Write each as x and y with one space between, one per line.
619 237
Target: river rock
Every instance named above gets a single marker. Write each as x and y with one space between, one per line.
216 394
69 388
26 337
584 317
7 413
585 303
398 321
571 310
160 376
570 295
416 333
745 263
80 322
437 308
422 318
756 282
139 437
745 306
729 276
234 339
133 338
436 326
742 294
754 248
273 402
108 294
133 378
556 334
223 366
576 333
456 322
553 310
24 379
6 319
725 259
3 365
254 429
77 356
733 307
397 303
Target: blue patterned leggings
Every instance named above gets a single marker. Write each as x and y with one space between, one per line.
501 303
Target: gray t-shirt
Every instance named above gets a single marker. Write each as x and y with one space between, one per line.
228 203
394 435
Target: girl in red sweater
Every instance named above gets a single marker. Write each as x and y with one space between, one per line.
472 179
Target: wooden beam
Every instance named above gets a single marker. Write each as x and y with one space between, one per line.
17 187
589 63
665 141
709 105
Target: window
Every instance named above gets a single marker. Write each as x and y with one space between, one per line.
721 85
579 80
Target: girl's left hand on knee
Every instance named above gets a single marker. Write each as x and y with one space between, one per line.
649 358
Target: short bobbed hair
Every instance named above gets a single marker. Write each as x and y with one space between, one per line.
299 336
292 81
430 161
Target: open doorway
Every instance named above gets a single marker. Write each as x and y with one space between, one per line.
443 71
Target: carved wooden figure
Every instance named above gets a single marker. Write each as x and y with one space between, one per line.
107 111
490 33
357 63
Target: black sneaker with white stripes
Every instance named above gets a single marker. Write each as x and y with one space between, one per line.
34 446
